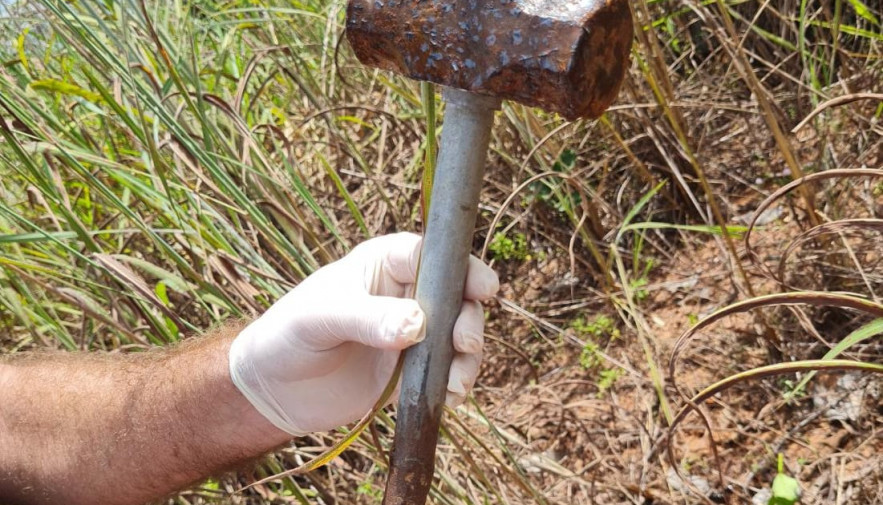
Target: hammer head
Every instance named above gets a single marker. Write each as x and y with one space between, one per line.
566 56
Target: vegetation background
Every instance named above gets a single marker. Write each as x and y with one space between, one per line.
166 165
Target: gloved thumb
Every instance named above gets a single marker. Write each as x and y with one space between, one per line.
381 322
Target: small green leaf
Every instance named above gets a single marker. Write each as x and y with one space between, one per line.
786 490
162 292
20 48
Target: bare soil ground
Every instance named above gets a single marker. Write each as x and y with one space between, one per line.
584 441
584 445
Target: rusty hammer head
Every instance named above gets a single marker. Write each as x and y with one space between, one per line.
566 56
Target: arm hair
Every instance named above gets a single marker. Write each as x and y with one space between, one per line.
120 429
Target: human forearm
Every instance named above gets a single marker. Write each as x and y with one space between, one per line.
118 430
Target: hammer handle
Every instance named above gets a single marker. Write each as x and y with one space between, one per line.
444 260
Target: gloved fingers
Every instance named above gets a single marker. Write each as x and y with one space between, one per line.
454 400
401 262
380 322
482 282
469 328
396 256
464 372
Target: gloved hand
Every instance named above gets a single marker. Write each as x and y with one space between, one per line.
321 356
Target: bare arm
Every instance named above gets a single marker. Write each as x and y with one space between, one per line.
118 430
111 429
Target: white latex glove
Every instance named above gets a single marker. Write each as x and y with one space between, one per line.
321 356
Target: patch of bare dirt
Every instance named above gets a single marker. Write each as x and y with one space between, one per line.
584 443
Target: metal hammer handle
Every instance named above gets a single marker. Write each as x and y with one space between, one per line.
447 243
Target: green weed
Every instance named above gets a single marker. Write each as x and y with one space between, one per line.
504 248
594 331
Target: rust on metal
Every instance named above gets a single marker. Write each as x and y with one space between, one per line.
412 461
566 56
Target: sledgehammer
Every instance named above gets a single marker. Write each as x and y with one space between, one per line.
565 56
